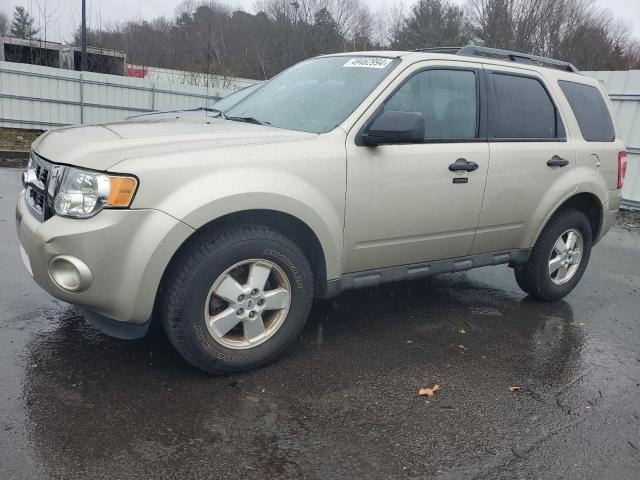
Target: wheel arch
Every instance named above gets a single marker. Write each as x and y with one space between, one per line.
586 202
284 223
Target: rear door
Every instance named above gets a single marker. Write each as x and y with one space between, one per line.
532 161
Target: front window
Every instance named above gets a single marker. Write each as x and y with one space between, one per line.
314 96
447 99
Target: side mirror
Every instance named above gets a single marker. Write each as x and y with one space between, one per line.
395 127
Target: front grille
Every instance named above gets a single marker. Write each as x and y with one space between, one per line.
36 180
42 174
37 200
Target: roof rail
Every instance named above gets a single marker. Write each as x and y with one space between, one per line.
452 50
475 51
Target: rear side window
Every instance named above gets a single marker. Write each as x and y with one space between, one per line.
590 110
521 109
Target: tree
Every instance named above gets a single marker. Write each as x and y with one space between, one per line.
494 22
209 38
22 24
4 24
574 30
433 23
327 37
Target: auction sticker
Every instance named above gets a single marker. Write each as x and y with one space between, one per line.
367 62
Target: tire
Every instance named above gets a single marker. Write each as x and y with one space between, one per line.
190 298
534 276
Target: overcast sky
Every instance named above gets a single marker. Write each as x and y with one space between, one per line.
64 14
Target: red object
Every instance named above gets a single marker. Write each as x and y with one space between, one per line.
622 168
135 72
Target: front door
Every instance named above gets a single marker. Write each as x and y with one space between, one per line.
404 203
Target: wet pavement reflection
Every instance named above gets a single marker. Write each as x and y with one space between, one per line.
343 402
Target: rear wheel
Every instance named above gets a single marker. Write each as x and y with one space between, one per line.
236 299
559 257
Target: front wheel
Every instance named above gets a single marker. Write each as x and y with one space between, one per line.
559 257
236 298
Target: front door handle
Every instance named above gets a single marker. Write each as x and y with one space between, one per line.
556 161
463 165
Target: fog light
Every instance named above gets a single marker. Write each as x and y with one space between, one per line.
70 273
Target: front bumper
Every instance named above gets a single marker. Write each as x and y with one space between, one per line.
126 252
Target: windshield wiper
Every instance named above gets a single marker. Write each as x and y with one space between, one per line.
253 120
206 109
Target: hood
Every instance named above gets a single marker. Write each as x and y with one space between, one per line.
102 146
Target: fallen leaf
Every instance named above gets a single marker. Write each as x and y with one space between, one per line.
514 388
462 331
429 392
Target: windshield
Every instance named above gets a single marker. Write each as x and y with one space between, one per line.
314 96
235 97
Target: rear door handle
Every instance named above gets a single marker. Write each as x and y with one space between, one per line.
556 161
463 165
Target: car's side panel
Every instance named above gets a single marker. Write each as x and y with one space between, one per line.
521 187
596 162
520 191
596 158
302 178
404 205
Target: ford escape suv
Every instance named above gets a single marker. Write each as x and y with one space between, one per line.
344 171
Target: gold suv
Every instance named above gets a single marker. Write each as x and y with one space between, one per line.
344 171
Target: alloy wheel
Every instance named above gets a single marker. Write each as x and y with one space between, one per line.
566 256
247 304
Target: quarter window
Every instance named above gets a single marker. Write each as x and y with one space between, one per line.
590 110
521 109
446 98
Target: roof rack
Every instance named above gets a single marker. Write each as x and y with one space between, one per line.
475 51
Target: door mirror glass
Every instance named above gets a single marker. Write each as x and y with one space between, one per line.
395 127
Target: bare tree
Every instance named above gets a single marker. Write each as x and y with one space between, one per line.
575 30
48 14
209 38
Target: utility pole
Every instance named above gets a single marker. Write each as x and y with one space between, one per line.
83 63
295 6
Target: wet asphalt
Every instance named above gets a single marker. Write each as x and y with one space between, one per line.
343 402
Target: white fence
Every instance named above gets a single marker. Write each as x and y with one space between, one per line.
38 97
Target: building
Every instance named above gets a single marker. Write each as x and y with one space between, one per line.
99 60
34 52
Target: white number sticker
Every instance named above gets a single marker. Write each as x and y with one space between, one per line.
367 62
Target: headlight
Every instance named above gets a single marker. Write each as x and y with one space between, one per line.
82 194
